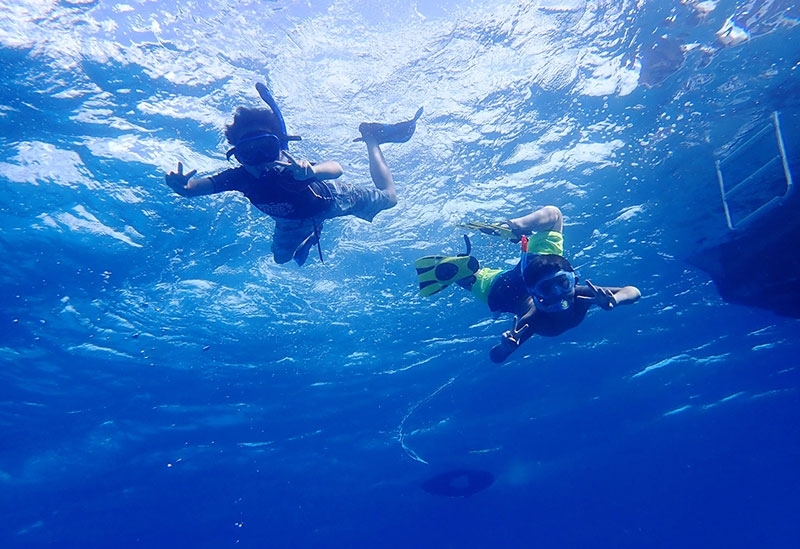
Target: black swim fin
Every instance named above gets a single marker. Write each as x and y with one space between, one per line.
389 133
301 253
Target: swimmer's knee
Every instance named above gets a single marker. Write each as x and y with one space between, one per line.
555 218
552 211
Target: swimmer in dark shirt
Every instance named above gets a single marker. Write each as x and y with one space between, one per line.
299 195
541 290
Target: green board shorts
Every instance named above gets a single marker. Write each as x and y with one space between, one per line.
546 242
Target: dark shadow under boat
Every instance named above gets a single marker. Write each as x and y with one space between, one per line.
757 261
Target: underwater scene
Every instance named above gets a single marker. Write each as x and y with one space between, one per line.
321 328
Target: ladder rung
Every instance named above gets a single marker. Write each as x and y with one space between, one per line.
746 145
761 209
743 182
775 201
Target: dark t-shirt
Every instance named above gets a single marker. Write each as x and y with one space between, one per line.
277 193
508 293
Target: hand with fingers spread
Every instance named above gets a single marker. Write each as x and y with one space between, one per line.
301 170
511 340
602 297
179 181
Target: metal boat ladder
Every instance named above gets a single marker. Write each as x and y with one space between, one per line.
756 167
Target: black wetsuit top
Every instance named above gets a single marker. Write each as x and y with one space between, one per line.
508 292
277 193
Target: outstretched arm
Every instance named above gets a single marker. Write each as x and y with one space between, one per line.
184 185
627 295
329 169
303 170
609 298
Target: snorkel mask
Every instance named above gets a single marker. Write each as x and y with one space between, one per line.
262 147
553 292
256 149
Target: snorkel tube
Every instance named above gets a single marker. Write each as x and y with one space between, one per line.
270 101
523 253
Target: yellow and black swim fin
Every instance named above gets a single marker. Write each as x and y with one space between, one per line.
502 229
436 272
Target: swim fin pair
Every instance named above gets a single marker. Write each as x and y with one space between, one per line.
437 272
389 133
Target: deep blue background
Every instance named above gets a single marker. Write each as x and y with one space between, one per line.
163 382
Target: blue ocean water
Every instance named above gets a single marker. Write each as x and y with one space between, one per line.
165 383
